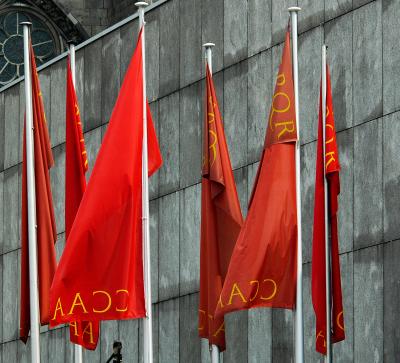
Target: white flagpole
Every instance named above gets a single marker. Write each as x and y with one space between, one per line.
148 321
77 347
214 350
299 333
328 357
30 172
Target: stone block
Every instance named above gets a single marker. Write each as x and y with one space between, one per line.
57 178
240 176
235 31
360 3
11 208
311 14
259 335
12 124
280 18
189 341
2 130
2 235
108 334
391 301
190 145
58 78
9 352
368 304
236 328
368 198
154 179
152 55
168 350
169 38
282 331
338 36
128 35
307 166
111 45
60 245
93 87
205 351
345 141
57 340
259 26
190 47
154 237
169 143
391 176
129 337
92 143
335 8
235 113
343 351
190 215
212 28
391 56
310 45
1 299
259 95
10 320
168 250
367 62
24 352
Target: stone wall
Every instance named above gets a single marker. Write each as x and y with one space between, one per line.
364 58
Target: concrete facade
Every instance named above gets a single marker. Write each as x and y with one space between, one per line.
364 58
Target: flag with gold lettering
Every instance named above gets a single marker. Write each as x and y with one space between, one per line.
76 164
318 250
46 228
100 274
262 271
221 219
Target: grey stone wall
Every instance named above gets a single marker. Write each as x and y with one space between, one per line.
365 65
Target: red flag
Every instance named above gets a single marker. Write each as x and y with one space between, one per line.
100 275
46 228
262 271
318 253
76 164
221 219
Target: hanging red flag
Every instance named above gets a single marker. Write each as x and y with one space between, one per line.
100 275
46 228
318 253
76 164
221 219
262 271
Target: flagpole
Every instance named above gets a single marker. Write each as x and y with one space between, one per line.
299 334
328 357
214 350
148 320
30 172
77 347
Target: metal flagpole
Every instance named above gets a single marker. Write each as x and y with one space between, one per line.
214 350
77 347
299 334
30 172
328 357
148 321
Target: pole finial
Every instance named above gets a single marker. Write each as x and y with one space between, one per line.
208 45
141 4
294 8
27 23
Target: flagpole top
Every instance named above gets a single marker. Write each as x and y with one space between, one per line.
27 23
294 8
141 4
208 45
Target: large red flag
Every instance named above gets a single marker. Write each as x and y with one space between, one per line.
318 253
100 275
262 271
221 219
76 164
46 228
